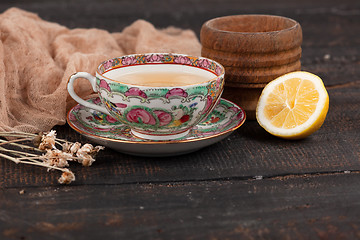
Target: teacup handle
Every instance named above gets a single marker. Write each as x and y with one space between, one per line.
92 80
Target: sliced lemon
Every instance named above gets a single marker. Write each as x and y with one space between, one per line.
293 106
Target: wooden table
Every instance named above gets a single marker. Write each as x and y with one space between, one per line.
248 186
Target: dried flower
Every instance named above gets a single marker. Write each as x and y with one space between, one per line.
86 161
66 177
57 158
48 140
71 147
86 154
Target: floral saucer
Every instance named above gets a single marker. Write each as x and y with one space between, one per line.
107 131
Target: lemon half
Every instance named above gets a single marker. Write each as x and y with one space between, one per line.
293 106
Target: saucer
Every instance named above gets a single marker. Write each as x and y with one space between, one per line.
107 131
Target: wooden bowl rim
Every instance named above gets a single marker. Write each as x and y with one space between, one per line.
253 42
210 23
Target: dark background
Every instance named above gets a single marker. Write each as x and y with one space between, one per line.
326 24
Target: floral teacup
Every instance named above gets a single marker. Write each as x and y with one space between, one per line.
155 112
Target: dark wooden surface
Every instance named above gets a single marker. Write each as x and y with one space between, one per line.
248 186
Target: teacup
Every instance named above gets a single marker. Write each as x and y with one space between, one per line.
161 96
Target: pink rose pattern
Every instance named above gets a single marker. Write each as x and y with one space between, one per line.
235 109
176 92
154 58
120 105
104 84
218 83
110 119
97 101
164 117
218 70
139 115
129 60
108 64
209 102
182 60
205 63
134 91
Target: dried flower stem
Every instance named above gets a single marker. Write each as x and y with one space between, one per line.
42 165
42 157
9 158
17 134
30 158
18 153
22 146
31 161
15 140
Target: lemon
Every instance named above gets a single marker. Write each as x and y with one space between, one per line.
293 106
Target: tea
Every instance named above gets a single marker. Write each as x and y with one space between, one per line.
170 76
162 79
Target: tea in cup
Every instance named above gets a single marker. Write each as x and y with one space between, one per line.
160 96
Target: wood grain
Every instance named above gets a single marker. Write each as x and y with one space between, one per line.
301 207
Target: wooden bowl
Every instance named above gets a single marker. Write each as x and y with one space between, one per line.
254 49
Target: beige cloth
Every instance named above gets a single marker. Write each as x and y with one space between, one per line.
37 57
